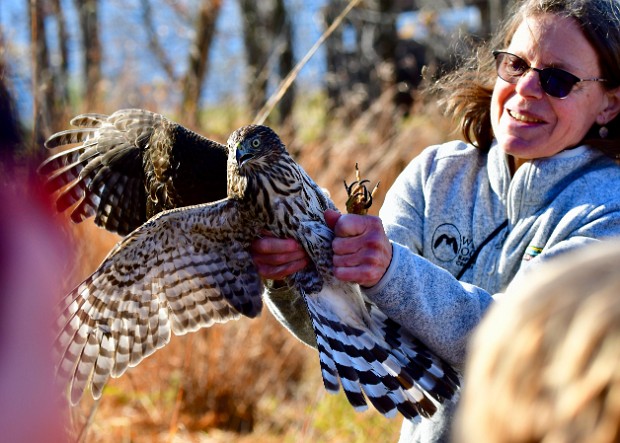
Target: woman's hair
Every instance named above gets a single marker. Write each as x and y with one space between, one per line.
467 91
544 364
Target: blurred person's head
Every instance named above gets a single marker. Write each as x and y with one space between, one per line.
34 255
544 365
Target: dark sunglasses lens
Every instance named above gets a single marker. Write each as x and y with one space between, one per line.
556 82
509 67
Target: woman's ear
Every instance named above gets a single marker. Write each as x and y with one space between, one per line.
611 108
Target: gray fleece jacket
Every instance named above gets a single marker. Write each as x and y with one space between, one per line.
456 211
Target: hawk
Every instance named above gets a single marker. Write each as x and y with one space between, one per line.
131 165
190 267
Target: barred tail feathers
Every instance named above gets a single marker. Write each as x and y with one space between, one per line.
433 375
356 356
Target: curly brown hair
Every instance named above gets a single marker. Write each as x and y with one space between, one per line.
466 92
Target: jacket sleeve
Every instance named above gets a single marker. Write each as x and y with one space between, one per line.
426 299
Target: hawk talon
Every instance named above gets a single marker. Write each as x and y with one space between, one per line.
359 198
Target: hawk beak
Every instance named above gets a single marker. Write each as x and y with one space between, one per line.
242 156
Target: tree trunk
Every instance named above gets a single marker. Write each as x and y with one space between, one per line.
386 40
199 60
154 43
62 70
256 43
10 135
358 73
89 25
286 59
59 66
43 86
268 39
334 49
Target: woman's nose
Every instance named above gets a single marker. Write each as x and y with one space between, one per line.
529 85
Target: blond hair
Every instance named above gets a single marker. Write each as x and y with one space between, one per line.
545 362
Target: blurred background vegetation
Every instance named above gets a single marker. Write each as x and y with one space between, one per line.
212 65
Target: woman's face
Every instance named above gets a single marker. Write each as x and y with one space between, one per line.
528 123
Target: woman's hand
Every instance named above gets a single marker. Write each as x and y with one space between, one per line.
362 251
277 258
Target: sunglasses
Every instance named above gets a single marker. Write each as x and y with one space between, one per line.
554 81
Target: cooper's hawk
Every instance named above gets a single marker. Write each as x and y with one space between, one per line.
187 268
131 165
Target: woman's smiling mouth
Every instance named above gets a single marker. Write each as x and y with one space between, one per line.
523 117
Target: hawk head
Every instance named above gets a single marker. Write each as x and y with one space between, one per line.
254 147
253 152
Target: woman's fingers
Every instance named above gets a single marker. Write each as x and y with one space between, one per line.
362 251
277 258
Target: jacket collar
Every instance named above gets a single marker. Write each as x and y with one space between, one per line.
537 182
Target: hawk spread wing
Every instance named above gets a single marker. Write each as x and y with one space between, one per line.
129 166
181 271
189 267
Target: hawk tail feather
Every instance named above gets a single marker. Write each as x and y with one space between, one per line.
432 374
366 370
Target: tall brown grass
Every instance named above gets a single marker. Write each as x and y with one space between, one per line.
250 380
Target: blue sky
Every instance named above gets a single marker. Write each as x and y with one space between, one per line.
125 44
126 54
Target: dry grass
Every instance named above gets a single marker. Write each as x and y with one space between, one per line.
250 380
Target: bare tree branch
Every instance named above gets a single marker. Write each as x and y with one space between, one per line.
290 78
199 59
61 74
43 95
180 9
89 24
154 44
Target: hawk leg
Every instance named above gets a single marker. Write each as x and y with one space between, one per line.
360 198
316 238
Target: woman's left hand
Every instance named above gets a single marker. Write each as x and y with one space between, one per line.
362 251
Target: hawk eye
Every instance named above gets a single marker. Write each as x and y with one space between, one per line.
256 143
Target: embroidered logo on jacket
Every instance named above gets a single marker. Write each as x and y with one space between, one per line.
448 244
531 252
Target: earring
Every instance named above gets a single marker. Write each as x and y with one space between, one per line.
603 132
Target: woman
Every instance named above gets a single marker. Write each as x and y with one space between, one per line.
463 219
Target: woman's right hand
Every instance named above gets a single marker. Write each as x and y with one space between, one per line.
277 258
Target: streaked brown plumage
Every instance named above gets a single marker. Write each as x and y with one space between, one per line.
131 165
187 268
